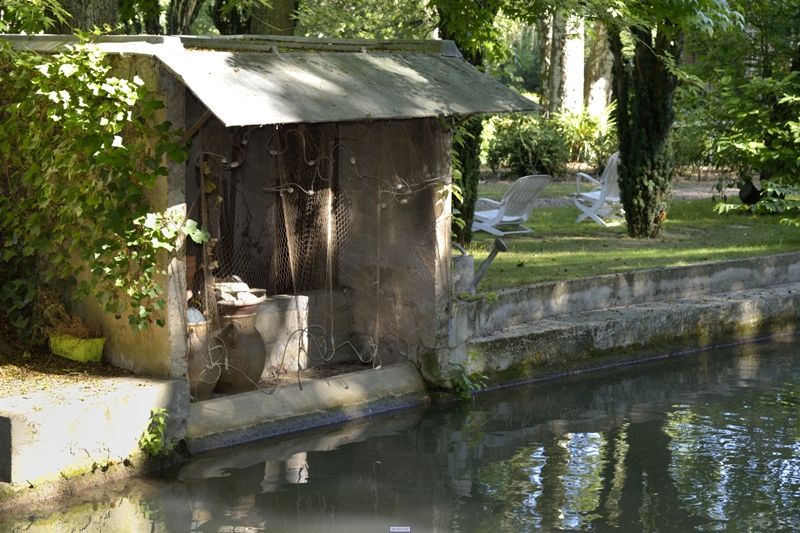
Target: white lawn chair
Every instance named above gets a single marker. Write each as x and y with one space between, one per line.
603 201
513 209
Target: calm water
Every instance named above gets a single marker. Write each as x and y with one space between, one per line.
709 442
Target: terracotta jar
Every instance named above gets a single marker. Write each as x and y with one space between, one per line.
205 353
246 355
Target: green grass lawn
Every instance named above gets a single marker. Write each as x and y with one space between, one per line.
560 249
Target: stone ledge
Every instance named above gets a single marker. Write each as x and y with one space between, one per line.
542 301
63 433
593 339
253 415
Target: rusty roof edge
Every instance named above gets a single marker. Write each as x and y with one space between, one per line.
445 48
264 42
111 44
17 37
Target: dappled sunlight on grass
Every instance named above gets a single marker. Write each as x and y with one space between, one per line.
561 249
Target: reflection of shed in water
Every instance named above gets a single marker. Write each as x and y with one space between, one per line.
325 166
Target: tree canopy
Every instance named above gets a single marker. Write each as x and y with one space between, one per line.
738 86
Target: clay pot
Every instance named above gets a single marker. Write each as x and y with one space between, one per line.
246 355
204 361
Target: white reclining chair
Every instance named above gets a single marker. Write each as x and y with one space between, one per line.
602 203
514 209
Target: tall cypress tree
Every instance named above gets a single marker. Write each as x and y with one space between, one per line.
455 24
644 93
644 90
469 156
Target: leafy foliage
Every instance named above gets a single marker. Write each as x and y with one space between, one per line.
692 140
526 143
591 139
471 24
154 441
83 150
466 145
465 385
368 19
776 199
762 133
458 224
229 17
741 111
140 16
521 70
30 16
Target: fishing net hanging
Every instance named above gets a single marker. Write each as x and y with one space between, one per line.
340 224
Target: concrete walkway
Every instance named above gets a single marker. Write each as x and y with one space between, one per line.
538 331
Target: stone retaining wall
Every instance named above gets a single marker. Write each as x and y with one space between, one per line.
470 322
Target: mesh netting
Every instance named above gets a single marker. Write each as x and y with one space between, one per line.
340 224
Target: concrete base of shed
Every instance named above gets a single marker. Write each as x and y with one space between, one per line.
253 415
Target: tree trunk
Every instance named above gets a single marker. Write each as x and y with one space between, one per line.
619 92
181 15
86 14
644 122
275 20
234 22
555 79
544 38
560 39
152 22
572 80
597 80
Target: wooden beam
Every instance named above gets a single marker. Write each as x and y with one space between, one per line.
194 129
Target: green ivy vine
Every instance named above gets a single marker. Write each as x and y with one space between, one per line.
81 148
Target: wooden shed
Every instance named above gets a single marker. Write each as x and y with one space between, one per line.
322 169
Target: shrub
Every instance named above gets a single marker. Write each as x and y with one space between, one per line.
525 144
758 130
693 132
774 199
591 139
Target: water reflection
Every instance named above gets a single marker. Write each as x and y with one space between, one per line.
703 443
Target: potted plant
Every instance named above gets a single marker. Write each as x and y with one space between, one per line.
69 335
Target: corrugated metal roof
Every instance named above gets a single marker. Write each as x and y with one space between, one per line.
250 88
328 83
